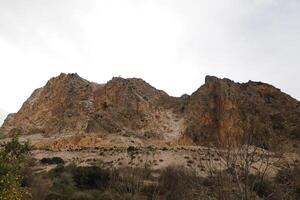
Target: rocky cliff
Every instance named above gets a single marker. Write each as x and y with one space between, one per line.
229 113
219 112
68 104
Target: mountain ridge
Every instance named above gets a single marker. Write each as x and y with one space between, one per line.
219 112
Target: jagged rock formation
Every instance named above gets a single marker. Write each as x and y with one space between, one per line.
228 112
70 104
219 112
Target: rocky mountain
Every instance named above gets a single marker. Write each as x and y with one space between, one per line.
219 112
229 113
69 104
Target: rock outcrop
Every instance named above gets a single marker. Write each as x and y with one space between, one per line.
230 113
219 112
69 104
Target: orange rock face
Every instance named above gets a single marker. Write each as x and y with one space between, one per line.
230 113
69 104
219 112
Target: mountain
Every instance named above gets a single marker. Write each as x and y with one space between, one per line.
220 112
228 112
70 104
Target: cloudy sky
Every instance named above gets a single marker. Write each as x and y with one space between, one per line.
172 44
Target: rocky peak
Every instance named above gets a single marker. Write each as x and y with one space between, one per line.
134 84
219 112
71 104
67 82
226 112
209 79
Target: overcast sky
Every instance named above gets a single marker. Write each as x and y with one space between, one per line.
172 44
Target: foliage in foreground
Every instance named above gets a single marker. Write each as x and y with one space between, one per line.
19 182
12 160
173 183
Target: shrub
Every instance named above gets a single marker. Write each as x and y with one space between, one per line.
64 186
263 188
289 180
175 180
127 181
91 177
131 149
12 160
40 187
51 161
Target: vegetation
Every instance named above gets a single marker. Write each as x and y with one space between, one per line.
54 160
19 181
174 183
12 160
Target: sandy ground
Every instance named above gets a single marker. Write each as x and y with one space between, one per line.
112 151
203 161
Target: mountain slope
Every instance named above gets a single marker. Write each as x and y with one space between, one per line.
219 112
68 104
226 112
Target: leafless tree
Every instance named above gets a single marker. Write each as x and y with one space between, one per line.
240 166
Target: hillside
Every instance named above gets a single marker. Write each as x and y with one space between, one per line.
69 104
226 112
221 112
221 136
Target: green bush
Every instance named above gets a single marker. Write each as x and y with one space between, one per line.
13 157
51 161
91 177
64 186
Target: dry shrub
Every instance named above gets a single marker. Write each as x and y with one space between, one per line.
177 183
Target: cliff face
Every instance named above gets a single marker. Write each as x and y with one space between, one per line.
228 113
70 104
219 112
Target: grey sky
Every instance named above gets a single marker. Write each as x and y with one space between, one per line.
2 116
171 44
